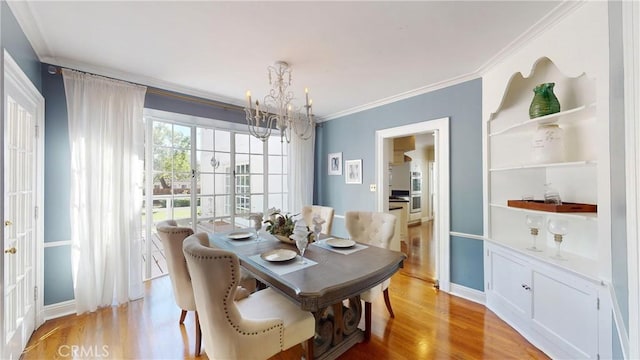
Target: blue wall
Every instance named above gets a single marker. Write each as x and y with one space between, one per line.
15 42
354 136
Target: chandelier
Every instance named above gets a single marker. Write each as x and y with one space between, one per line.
277 109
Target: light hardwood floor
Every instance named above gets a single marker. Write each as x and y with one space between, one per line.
429 324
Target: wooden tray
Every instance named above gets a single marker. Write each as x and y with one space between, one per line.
541 206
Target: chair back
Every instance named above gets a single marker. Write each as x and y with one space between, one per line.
324 212
374 228
172 236
227 335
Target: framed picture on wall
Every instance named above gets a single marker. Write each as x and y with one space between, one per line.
335 163
353 171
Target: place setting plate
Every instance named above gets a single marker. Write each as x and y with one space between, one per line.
278 255
240 235
340 243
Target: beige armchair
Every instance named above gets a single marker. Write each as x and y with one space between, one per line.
172 236
375 229
326 213
255 327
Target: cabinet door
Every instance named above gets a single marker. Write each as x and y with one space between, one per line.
565 310
510 279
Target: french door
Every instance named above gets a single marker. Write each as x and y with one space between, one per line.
22 190
209 177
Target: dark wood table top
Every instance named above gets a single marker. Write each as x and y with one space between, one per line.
334 278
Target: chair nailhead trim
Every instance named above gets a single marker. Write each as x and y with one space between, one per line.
279 326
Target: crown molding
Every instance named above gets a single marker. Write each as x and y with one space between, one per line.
139 79
24 15
402 96
552 18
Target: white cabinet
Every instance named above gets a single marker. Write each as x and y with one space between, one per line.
556 310
553 303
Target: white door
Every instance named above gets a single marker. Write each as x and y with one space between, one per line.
23 107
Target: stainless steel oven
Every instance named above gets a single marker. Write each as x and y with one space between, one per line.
415 194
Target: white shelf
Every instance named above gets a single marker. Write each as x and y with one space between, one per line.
578 265
550 165
581 216
562 117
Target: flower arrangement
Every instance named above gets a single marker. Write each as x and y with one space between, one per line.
282 226
279 224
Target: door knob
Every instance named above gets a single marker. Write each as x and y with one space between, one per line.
10 251
8 223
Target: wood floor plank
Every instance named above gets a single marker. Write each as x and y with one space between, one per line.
429 324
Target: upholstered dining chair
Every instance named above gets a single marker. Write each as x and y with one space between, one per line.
172 236
257 326
324 212
377 229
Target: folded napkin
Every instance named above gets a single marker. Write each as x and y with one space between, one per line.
344 251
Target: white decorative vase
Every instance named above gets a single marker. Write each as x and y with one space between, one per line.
547 145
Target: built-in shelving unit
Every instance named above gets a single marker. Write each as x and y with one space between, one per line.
521 284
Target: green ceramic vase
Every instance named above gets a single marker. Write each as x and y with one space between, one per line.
544 101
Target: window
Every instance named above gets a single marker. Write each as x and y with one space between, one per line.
208 175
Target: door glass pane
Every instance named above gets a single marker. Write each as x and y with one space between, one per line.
242 164
257 203
242 143
206 184
205 207
257 184
162 134
256 145
206 161
275 164
222 184
275 183
182 208
257 164
182 137
204 139
222 140
275 145
224 162
222 205
275 200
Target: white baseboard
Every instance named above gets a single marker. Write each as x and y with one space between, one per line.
468 293
60 309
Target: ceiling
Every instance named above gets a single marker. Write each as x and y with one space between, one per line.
351 55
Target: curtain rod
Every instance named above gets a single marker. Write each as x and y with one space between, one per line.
57 70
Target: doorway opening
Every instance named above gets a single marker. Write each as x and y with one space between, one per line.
429 169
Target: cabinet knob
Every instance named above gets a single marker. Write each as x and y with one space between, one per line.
8 223
526 287
10 250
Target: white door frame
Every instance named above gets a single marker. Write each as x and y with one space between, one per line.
14 74
383 141
631 41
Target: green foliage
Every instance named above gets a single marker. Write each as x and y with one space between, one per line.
283 225
171 154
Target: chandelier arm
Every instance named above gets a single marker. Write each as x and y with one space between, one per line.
279 112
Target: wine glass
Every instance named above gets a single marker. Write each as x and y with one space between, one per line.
302 243
301 237
317 227
558 228
534 222
257 223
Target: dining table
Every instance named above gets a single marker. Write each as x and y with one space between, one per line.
327 282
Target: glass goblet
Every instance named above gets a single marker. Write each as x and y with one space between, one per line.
558 228
534 222
302 242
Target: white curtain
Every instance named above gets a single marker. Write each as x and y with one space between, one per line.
106 134
301 167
